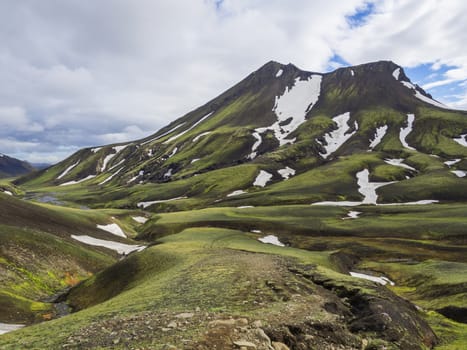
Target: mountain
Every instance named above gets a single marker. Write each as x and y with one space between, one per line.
10 167
282 122
296 210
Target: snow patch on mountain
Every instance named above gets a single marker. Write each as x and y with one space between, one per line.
164 134
8 192
140 219
78 181
262 179
459 173
352 73
95 150
420 202
111 176
201 135
379 134
174 151
279 73
461 140
286 172
9 327
236 193
194 160
271 239
399 162
422 97
140 173
338 137
67 170
173 138
255 146
352 215
116 165
452 162
144 205
113 229
381 280
406 131
120 248
396 73
367 188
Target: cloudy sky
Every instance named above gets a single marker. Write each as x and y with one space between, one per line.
80 73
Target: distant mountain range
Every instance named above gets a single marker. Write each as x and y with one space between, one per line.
10 167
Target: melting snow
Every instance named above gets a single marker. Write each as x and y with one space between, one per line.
461 140
381 280
9 327
262 178
77 181
293 105
422 97
150 154
164 134
195 160
8 193
279 73
271 239
111 176
189 129
67 170
396 73
352 73
144 205
452 162
256 231
399 162
116 165
201 135
95 150
406 131
255 146
245 207
286 172
380 132
120 148
352 214
168 173
140 219
459 173
336 138
107 159
421 202
120 248
338 204
367 188
141 173
236 193
113 229
173 152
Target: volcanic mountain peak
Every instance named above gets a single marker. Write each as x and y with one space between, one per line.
282 116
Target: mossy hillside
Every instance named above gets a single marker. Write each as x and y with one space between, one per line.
187 271
35 265
440 223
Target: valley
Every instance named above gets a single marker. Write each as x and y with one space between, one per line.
297 210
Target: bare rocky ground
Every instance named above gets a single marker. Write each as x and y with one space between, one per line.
283 306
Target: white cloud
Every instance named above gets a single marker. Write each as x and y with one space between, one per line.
411 33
